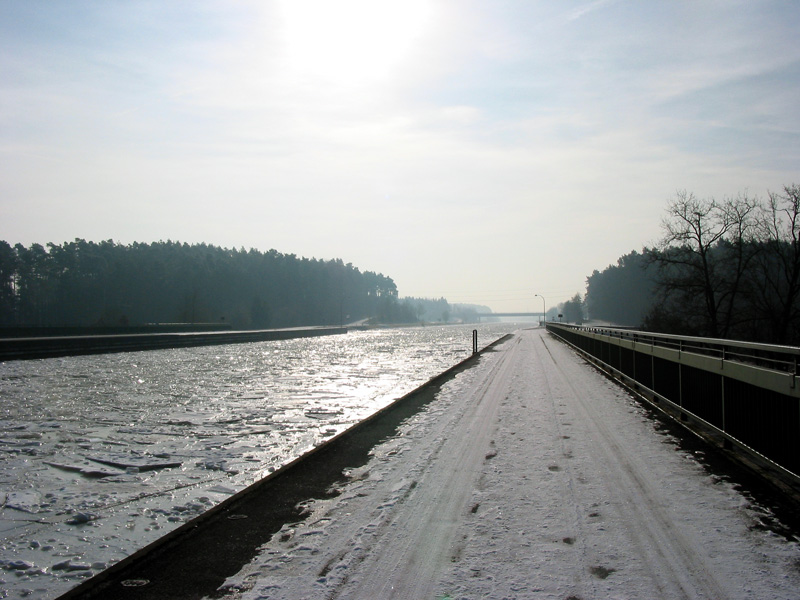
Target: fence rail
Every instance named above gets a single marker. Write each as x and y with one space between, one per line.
746 393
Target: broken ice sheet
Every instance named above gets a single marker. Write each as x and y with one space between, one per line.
221 489
84 470
26 501
130 461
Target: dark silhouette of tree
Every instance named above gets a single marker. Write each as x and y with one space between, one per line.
34 284
84 283
621 294
572 309
775 277
702 259
8 273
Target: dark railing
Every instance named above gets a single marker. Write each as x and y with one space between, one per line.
744 392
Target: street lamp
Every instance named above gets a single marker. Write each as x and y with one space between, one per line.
544 310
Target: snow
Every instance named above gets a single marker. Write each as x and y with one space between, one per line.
102 455
530 476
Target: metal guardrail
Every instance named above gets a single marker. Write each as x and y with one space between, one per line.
746 393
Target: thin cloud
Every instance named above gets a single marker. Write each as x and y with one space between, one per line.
590 7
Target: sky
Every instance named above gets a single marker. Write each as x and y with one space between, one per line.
491 152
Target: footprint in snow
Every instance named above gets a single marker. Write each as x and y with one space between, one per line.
601 572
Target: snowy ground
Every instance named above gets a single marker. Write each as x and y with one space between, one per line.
531 476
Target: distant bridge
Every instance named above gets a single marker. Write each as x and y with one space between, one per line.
511 314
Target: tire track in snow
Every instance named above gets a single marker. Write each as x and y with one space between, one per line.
424 530
678 567
578 510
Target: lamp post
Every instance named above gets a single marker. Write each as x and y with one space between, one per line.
544 309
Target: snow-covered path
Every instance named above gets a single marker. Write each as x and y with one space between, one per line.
530 476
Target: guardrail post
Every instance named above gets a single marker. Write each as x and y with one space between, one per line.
474 341
652 364
726 443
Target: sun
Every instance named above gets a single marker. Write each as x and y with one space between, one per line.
347 42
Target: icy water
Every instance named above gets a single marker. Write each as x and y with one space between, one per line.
101 455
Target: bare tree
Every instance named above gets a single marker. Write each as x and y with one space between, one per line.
776 276
702 259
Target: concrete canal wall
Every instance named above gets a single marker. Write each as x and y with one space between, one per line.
26 348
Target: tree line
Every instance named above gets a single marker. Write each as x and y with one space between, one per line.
88 284
724 269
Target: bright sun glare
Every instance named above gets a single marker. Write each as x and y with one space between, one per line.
347 42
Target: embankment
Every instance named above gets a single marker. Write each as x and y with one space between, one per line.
26 348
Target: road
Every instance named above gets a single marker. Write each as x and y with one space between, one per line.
530 476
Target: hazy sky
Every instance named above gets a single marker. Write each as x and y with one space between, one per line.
484 151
